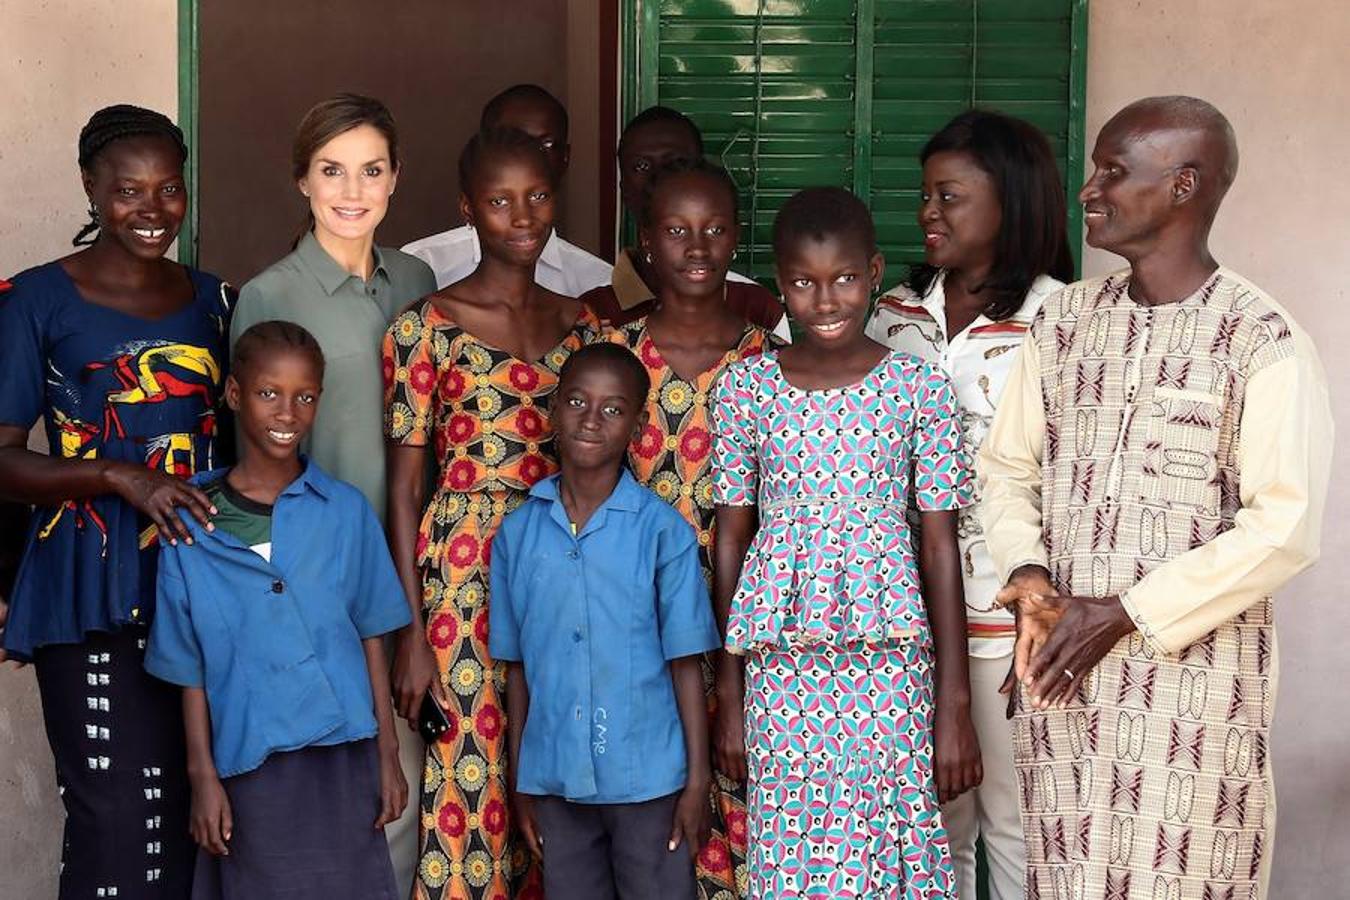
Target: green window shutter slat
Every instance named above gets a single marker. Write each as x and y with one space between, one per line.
774 84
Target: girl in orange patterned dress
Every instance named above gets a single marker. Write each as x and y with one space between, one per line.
689 233
471 370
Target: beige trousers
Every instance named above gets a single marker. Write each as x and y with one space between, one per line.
991 810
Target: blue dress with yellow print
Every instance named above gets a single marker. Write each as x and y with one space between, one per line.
112 386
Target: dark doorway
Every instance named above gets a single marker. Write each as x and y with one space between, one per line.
262 64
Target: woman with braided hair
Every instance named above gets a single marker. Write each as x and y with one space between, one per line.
120 351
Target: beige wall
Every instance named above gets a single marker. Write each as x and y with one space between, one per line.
63 59
1280 72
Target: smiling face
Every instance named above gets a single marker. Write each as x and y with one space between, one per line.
645 149
510 202
349 182
1135 183
827 285
137 185
959 213
275 398
596 413
691 233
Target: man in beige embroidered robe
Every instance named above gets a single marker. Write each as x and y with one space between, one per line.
1156 470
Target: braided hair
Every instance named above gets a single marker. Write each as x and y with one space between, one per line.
113 123
274 336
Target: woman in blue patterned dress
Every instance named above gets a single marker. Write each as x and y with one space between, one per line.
120 352
818 447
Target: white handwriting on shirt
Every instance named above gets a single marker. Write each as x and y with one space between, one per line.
599 718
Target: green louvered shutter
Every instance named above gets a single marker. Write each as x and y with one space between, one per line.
794 93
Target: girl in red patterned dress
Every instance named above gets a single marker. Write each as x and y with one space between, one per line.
469 371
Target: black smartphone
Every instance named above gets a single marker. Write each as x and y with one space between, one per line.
432 721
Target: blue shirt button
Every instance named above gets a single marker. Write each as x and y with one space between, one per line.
278 587
576 636
572 554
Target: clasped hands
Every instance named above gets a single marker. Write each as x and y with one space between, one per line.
1060 639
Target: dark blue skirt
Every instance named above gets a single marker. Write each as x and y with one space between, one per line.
303 828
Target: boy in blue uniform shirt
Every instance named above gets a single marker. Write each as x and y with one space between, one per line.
270 619
601 612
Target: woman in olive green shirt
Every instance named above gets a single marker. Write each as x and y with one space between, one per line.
338 285
344 290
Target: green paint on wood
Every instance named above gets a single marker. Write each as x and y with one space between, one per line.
865 24
187 120
794 93
1077 128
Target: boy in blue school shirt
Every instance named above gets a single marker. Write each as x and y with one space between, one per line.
270 619
600 609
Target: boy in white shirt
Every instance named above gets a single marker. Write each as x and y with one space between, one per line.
563 267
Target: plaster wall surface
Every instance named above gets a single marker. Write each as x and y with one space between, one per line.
63 60
1280 72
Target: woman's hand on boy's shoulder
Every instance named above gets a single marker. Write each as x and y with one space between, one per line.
212 823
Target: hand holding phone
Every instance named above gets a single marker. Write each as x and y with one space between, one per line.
432 719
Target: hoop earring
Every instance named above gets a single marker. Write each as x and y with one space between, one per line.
648 257
735 253
94 218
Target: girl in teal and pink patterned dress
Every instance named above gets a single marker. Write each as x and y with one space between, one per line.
818 449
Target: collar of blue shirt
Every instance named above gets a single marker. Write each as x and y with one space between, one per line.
311 479
627 496
330 275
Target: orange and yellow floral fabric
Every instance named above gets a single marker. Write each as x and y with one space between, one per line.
485 412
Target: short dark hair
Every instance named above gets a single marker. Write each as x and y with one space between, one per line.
655 114
821 212
614 356
678 167
494 144
272 337
492 110
1033 239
